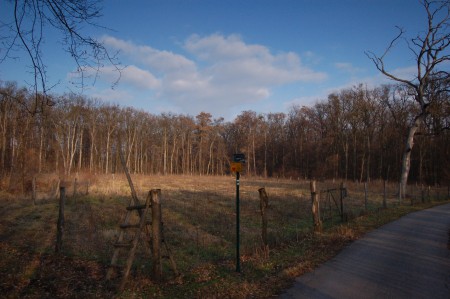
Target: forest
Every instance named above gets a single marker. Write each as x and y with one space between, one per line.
355 134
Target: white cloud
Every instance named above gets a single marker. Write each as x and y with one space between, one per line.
163 61
140 78
347 67
218 47
222 72
230 57
408 73
132 75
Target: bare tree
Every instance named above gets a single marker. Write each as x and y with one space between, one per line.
431 53
31 20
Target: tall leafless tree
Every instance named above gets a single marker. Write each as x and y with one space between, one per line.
430 50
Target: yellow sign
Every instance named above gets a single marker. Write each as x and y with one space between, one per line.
236 167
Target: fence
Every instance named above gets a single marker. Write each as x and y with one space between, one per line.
199 213
45 189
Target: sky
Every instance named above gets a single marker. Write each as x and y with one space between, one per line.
228 56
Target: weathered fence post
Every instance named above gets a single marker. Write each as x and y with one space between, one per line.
74 187
422 191
315 208
33 190
57 188
263 204
341 199
87 187
365 197
155 197
60 223
384 195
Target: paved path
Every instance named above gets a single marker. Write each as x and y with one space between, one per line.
408 258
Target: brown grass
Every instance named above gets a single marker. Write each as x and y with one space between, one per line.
199 224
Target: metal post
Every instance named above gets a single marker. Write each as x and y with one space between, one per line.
238 257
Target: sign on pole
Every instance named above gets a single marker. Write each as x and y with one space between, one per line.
236 166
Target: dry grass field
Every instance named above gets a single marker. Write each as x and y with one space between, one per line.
199 227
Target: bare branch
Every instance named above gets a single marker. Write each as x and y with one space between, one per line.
31 19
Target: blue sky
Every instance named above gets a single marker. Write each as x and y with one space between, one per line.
226 56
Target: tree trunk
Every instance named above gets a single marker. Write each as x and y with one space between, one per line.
210 168
80 153
107 152
41 147
406 161
91 154
368 160
165 152
346 158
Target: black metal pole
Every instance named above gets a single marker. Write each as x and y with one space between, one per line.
238 257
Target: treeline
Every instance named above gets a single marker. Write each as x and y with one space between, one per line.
355 134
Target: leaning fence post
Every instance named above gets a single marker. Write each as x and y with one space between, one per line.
57 188
264 203
60 223
315 208
155 197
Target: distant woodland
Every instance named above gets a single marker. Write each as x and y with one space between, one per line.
355 134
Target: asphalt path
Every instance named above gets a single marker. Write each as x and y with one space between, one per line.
407 258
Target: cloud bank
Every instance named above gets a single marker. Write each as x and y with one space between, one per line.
215 73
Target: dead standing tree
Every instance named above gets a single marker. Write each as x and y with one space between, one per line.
430 50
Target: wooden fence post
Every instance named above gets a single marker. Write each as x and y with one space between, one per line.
57 188
384 195
263 204
365 197
74 187
130 182
341 198
87 187
33 190
60 224
422 193
315 208
155 197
